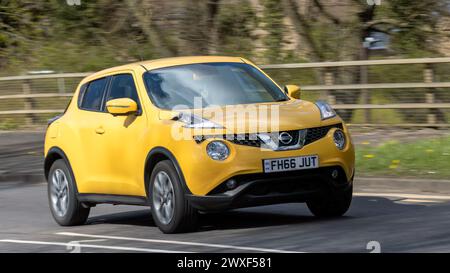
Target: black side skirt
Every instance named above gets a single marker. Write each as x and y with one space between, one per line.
112 199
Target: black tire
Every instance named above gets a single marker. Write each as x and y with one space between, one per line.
75 214
332 204
184 217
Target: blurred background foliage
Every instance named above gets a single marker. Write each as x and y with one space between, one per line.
51 34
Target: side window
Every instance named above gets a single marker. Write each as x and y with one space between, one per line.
122 86
93 95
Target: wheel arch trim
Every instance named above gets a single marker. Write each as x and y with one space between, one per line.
49 160
149 165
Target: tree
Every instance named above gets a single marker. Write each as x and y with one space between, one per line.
19 25
339 34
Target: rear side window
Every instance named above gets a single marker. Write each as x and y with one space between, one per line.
93 95
122 86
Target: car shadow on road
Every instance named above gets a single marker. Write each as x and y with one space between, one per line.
142 217
276 215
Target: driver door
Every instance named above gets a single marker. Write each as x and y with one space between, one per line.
123 138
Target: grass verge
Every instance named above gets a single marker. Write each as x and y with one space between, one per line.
420 159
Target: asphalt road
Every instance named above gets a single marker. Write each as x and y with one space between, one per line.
21 154
398 222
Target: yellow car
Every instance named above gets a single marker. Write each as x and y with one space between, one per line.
191 134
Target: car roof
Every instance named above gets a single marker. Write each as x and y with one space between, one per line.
165 62
153 64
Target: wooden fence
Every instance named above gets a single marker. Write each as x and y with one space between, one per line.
20 88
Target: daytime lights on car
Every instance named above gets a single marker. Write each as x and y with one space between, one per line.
217 150
339 139
326 111
193 121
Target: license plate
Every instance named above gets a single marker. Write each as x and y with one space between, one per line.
291 163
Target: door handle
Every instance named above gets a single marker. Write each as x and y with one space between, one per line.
100 131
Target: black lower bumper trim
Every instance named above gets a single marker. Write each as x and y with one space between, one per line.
267 189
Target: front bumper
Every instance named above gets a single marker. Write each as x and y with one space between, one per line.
203 175
274 188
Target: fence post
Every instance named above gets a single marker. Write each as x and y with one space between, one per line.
28 102
329 80
428 77
365 95
61 85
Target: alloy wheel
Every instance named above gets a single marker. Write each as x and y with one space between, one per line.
163 197
59 192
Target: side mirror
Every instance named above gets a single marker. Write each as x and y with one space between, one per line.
123 106
292 91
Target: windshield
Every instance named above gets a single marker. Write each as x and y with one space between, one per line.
211 84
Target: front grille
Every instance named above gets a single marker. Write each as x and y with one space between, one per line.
239 139
294 134
317 133
313 134
246 139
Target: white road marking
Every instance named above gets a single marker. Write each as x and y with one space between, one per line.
403 195
90 246
177 242
420 201
90 241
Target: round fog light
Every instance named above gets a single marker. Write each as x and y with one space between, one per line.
334 174
339 139
217 150
231 184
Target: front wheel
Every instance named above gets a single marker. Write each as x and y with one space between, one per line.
65 208
332 204
171 211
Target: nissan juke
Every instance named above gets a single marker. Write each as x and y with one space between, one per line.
194 134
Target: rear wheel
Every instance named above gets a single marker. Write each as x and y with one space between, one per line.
64 206
171 211
332 204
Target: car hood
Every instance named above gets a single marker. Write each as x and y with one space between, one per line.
261 117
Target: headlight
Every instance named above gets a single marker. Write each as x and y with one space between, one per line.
339 139
326 111
193 121
217 150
